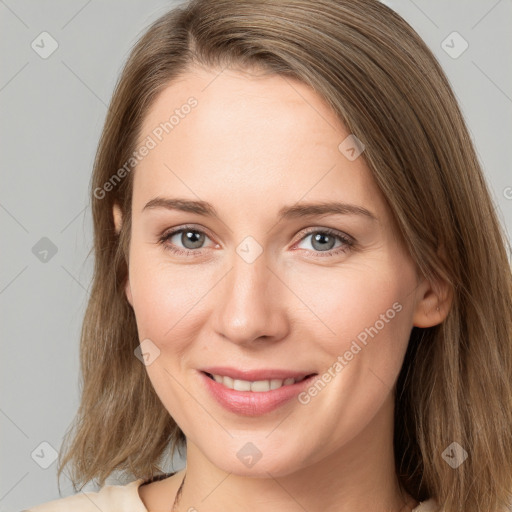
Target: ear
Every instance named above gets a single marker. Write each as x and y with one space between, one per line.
118 217
118 222
433 303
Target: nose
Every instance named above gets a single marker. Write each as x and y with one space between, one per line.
251 303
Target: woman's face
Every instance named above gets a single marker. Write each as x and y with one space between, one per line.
261 279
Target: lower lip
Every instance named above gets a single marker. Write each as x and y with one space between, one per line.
253 403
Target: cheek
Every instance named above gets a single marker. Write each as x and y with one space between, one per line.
345 301
167 298
364 316
368 313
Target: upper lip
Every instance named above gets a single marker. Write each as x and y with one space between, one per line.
255 375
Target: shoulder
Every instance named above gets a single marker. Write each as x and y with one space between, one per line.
427 506
161 490
110 498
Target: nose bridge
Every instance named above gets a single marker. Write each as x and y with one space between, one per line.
250 303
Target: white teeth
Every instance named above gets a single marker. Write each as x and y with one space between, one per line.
241 385
257 386
276 383
261 385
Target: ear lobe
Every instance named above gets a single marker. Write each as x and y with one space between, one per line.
118 217
434 303
128 292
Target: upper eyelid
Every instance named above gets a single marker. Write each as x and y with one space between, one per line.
174 231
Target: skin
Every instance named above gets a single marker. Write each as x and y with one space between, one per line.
252 145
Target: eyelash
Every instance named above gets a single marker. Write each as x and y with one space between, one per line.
348 242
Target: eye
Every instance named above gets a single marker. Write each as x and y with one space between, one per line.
191 238
323 240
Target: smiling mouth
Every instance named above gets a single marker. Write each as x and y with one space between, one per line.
257 386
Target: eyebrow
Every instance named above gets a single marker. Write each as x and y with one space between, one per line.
325 208
286 212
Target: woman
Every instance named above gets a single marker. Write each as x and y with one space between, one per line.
372 373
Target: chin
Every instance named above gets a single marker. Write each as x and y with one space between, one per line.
256 459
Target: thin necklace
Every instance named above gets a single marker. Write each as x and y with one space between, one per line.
178 494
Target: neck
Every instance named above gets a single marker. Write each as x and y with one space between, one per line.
359 476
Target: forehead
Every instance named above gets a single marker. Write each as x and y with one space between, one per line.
235 106
248 139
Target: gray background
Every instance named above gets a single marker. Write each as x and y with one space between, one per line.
52 110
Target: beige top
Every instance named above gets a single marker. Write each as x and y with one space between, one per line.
120 498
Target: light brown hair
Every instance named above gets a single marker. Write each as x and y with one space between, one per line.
385 85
